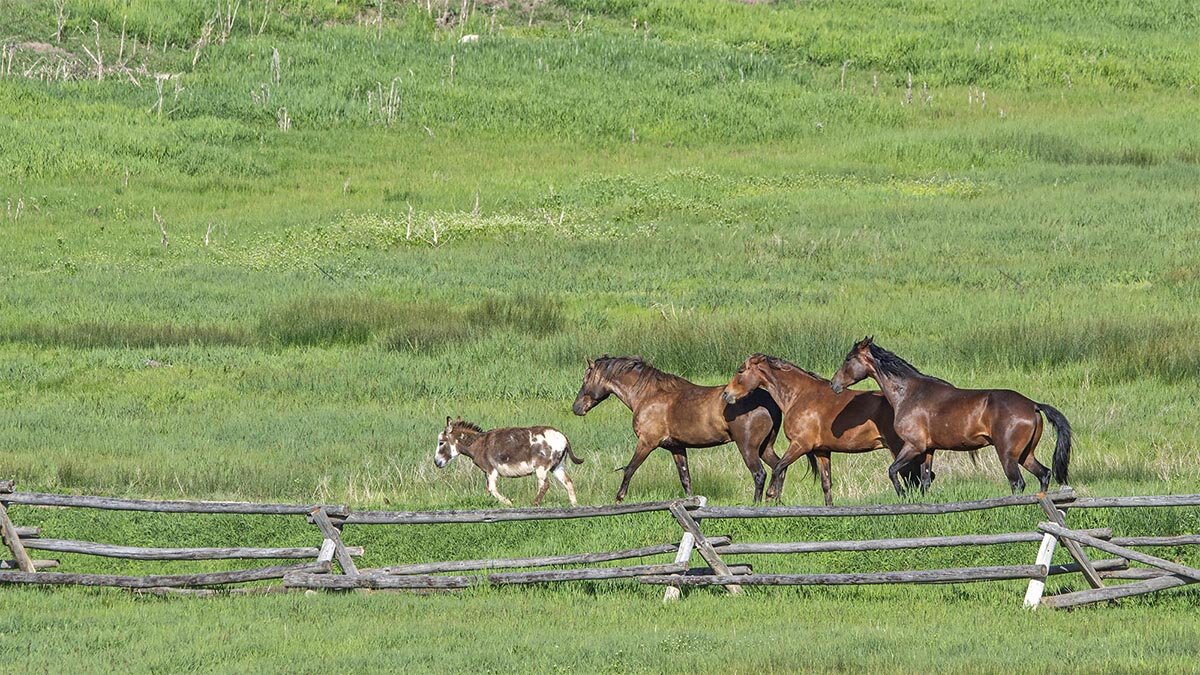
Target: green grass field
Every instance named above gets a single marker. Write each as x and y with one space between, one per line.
330 232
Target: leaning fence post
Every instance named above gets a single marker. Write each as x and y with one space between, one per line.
683 556
706 549
332 535
1058 517
11 536
1057 514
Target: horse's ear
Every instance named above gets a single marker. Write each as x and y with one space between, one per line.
591 364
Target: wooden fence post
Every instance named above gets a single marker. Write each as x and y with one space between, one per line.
706 549
14 542
1059 518
1033 593
687 542
321 519
1037 587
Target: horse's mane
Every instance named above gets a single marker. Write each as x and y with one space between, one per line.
783 364
891 364
469 426
611 367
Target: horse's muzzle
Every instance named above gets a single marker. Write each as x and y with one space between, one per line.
580 408
728 397
837 388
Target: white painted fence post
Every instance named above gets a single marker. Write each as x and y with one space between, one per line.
683 556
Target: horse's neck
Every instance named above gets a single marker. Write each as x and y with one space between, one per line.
627 390
895 388
787 386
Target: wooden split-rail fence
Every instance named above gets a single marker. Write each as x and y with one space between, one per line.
331 564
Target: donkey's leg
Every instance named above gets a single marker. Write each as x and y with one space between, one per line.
823 465
639 456
543 477
681 465
491 478
561 474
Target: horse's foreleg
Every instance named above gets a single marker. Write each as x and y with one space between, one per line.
907 454
491 486
681 465
543 477
794 452
639 455
926 471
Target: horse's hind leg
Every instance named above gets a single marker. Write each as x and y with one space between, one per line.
543 477
823 465
750 456
681 464
561 474
1031 464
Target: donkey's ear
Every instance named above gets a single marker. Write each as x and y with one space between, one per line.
447 421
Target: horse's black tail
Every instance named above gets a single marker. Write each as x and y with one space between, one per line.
575 459
812 466
1062 445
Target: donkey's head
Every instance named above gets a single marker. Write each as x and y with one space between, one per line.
453 439
447 448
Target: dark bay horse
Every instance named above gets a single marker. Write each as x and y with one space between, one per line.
672 413
934 414
816 420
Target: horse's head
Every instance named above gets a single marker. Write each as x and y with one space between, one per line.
858 366
447 445
749 376
595 388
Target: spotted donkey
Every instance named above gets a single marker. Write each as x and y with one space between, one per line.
510 452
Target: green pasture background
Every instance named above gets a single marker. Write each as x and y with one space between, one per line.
372 225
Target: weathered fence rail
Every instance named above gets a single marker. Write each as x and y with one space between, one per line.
332 565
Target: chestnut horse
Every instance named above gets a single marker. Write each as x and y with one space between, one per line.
934 414
816 420
672 413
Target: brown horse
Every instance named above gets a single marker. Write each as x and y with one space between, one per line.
934 414
672 413
816 420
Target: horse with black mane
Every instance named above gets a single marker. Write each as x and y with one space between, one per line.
933 414
816 420
672 413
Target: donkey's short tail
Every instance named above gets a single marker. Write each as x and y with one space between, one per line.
571 454
1062 444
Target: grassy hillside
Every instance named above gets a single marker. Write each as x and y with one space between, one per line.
264 259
